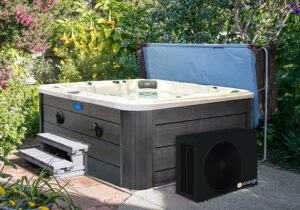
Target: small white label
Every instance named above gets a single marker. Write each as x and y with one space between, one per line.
239 185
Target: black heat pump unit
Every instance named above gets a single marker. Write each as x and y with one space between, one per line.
214 163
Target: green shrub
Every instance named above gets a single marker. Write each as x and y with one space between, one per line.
285 149
18 103
196 21
97 41
290 152
13 112
24 24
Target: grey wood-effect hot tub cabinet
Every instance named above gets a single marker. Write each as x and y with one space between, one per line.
137 148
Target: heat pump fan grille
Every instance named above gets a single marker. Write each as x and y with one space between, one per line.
222 166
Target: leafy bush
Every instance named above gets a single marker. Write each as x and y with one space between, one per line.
97 40
18 103
285 148
290 152
24 24
261 22
186 21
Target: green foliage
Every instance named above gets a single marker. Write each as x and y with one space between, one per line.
286 147
24 24
291 147
31 193
261 22
4 153
289 83
186 21
18 103
41 69
97 41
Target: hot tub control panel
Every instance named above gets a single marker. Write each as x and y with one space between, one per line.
77 106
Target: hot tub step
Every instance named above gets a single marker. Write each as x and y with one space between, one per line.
67 144
51 163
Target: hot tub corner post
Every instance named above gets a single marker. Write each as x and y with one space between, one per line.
137 149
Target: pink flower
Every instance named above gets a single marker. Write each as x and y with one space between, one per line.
23 17
37 2
5 74
37 48
49 5
4 1
4 85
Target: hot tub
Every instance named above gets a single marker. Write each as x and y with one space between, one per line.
131 125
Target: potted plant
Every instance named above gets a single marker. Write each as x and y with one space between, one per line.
39 193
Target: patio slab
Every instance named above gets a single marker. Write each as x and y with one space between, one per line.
277 189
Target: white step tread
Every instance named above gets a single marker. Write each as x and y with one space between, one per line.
69 174
65 143
46 160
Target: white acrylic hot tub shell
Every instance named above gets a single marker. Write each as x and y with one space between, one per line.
192 94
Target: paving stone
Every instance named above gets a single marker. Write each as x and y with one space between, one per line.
276 189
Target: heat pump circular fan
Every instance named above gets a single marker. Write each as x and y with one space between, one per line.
222 166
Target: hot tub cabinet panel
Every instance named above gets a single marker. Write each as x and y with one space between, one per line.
137 148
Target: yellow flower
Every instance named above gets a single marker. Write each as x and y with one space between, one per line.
62 62
12 203
95 65
116 66
94 76
31 204
55 49
2 190
14 189
104 63
43 208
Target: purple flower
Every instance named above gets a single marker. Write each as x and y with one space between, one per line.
297 12
166 36
250 26
293 4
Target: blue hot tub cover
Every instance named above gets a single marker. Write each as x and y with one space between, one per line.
229 65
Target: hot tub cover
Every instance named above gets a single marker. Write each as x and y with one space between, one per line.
227 65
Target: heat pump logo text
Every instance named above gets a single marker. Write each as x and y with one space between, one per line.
243 184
